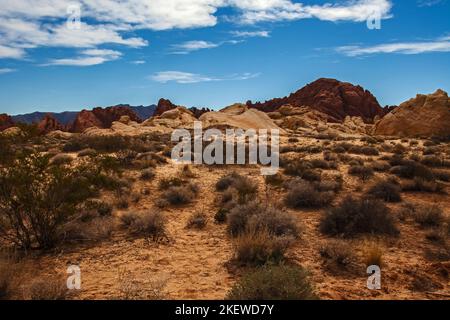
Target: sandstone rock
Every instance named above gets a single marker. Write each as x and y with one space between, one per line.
102 118
12 132
424 115
334 98
48 124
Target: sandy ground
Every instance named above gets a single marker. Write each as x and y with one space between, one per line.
194 263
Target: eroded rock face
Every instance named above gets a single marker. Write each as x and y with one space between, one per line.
5 122
165 105
49 123
102 118
334 98
424 115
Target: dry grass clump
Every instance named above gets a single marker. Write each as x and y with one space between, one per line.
410 169
302 169
261 233
372 253
422 185
245 188
258 246
168 182
338 256
365 150
429 216
274 283
47 288
435 161
151 223
380 166
303 194
259 216
275 179
388 190
198 220
353 217
147 174
179 195
363 172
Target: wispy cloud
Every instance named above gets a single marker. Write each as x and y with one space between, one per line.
6 70
251 34
194 45
186 77
86 58
428 3
439 45
138 62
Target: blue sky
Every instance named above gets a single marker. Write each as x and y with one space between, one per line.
213 53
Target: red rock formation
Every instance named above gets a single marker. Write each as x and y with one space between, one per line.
332 97
5 122
163 106
101 117
166 105
198 112
48 124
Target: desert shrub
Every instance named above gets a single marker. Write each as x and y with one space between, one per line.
274 283
429 216
147 174
36 199
100 207
363 172
437 235
122 202
372 254
422 185
48 288
380 166
293 139
338 255
354 217
61 159
399 149
221 215
302 194
441 175
108 144
87 153
274 179
430 150
370 151
186 171
150 223
432 161
259 217
388 190
329 156
259 246
180 195
302 169
226 181
197 220
319 163
93 230
246 189
166 183
410 169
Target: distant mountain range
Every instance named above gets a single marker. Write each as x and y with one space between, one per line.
68 117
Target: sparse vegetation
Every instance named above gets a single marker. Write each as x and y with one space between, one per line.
354 217
197 220
149 223
363 172
274 283
303 194
388 190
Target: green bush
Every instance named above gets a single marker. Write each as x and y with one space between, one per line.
274 283
36 199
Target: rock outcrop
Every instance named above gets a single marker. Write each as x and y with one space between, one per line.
165 105
48 124
5 122
424 115
101 118
334 98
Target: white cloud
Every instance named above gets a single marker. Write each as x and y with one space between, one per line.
193 45
439 45
138 62
6 70
251 34
86 58
26 24
186 77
